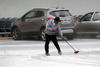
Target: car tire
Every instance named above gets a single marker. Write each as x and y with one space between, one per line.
42 34
16 34
70 37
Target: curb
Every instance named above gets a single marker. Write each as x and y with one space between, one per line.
6 38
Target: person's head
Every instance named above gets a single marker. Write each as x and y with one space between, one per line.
56 20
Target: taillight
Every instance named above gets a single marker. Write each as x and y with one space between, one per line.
50 18
74 19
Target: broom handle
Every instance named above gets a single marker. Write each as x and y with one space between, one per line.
70 45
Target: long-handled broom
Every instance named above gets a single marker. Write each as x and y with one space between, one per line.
75 51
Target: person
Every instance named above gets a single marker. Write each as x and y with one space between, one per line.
52 29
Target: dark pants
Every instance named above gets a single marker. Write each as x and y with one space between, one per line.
54 40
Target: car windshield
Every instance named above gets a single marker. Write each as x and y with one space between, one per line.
60 13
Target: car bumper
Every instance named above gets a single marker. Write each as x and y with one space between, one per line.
68 31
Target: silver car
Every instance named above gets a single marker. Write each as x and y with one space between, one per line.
89 24
34 21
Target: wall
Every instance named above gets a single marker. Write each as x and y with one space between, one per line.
16 8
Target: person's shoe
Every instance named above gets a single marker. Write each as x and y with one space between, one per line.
47 54
59 53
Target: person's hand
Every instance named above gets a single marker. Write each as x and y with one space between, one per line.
55 30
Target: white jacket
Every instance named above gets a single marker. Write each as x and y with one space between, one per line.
50 26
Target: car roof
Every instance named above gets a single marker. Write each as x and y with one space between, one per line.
51 9
93 11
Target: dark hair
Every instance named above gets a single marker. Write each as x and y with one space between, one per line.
57 19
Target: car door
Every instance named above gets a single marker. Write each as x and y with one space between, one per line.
37 21
26 24
96 22
84 25
32 21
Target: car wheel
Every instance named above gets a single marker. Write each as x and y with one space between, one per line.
15 34
70 37
42 34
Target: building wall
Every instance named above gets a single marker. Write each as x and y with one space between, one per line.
16 8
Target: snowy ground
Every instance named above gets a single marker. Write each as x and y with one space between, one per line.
31 54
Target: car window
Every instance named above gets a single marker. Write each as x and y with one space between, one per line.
87 17
30 15
39 14
60 13
96 16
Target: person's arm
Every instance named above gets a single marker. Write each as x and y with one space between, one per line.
60 32
49 26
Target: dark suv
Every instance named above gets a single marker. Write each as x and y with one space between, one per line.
34 21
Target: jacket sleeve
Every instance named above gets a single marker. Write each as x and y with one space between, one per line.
49 26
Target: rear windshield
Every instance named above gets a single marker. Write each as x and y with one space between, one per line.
60 13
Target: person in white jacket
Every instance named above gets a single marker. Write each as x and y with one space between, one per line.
52 29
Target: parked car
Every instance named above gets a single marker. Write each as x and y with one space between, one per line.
34 21
78 17
5 24
89 24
